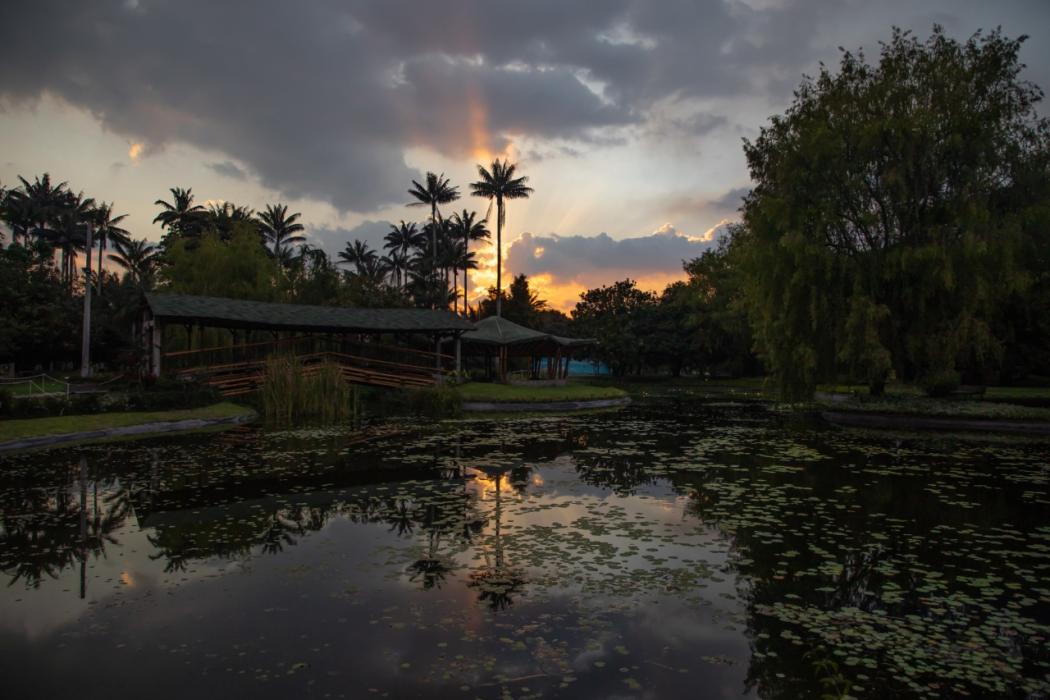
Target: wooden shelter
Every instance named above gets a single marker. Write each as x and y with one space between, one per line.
497 337
296 321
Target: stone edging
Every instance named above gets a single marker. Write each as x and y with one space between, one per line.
168 426
916 422
526 406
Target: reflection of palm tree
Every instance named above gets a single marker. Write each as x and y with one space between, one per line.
400 518
497 582
278 534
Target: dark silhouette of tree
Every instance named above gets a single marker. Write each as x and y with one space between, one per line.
499 185
280 230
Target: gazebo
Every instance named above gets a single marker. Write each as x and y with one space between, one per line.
496 336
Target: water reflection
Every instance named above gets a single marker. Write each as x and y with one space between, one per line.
660 549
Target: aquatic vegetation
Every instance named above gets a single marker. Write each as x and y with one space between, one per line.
663 547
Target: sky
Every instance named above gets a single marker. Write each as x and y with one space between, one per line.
626 115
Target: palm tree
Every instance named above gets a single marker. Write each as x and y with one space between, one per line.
181 217
107 230
225 216
466 229
35 206
138 257
359 255
68 233
499 185
437 191
279 228
399 241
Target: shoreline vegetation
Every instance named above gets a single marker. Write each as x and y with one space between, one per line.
75 428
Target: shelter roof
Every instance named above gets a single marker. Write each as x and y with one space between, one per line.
240 313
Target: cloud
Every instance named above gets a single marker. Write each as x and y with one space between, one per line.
334 239
321 100
228 168
597 259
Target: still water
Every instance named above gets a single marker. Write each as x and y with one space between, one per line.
670 549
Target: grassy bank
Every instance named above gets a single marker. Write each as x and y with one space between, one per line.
21 429
512 393
940 408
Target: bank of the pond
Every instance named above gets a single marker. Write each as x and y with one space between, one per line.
41 432
477 397
933 414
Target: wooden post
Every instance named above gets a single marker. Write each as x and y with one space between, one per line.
155 341
458 354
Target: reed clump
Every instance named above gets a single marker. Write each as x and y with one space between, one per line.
292 393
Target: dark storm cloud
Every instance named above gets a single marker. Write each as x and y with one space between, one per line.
320 99
228 168
582 258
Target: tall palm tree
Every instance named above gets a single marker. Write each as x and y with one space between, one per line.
499 184
35 206
462 259
68 233
359 255
138 257
107 230
467 229
437 191
181 217
279 228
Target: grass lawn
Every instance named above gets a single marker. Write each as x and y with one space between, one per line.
34 388
37 427
510 393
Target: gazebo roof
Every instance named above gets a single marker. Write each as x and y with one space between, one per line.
497 331
239 313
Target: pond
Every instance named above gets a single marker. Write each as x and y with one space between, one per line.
673 548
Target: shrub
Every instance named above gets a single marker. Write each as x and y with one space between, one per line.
292 393
940 382
438 402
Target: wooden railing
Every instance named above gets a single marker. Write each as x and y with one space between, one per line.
238 378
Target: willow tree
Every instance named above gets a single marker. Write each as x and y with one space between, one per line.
891 206
499 185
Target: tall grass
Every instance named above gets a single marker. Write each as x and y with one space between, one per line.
292 393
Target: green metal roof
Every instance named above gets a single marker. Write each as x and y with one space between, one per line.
495 330
238 313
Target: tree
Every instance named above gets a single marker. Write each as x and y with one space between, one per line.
616 316
181 217
280 229
359 255
467 228
238 268
138 258
891 206
521 304
499 185
437 191
107 230
32 208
